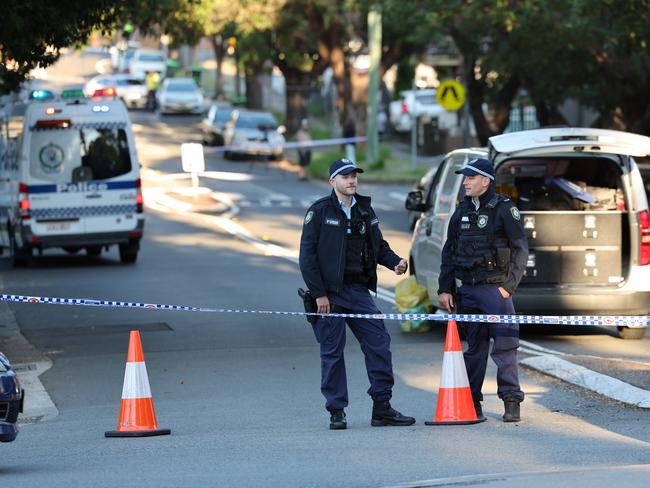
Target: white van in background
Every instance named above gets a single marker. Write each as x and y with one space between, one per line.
75 182
145 60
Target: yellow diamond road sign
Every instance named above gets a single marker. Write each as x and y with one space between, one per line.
450 95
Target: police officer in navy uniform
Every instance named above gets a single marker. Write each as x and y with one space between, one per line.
340 248
486 252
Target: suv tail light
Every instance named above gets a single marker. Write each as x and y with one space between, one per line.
644 232
23 199
405 108
139 200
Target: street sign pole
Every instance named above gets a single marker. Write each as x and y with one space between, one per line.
374 41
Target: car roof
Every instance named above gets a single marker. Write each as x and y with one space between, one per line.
571 139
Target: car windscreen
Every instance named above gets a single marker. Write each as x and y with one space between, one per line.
222 116
262 122
150 58
129 82
426 99
181 87
56 153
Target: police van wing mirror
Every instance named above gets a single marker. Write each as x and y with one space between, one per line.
415 201
82 173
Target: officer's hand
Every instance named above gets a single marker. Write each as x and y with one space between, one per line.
401 267
503 292
323 304
446 301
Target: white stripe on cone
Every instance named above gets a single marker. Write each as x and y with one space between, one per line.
453 373
136 381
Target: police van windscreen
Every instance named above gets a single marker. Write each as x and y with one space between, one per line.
56 153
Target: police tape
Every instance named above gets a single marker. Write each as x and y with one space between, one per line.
636 321
286 145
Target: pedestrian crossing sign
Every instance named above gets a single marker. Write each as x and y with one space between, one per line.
450 95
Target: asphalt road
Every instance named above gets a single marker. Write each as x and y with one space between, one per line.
240 392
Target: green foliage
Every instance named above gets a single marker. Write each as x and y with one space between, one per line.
405 77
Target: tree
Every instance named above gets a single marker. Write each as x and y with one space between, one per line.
33 32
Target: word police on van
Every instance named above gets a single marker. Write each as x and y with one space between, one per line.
73 182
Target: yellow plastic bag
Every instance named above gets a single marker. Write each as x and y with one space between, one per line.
412 298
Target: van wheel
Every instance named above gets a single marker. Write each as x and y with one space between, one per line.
20 255
94 251
129 252
634 333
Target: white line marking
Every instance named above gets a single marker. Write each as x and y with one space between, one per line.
591 380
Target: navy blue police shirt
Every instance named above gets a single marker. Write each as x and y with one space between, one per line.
507 222
322 245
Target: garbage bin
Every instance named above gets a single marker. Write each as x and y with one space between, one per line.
431 139
196 74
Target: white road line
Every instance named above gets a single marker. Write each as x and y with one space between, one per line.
397 196
591 380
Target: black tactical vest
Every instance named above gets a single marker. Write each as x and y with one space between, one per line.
482 253
357 249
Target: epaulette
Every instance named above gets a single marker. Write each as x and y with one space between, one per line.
320 201
497 199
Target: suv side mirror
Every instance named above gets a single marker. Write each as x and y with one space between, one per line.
415 201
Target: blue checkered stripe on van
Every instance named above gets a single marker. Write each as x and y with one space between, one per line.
83 125
76 212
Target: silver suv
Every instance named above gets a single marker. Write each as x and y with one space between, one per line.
584 207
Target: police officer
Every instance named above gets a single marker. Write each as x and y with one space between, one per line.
486 250
340 248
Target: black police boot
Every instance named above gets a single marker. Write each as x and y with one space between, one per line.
511 411
479 410
337 420
384 414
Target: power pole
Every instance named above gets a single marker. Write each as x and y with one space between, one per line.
374 41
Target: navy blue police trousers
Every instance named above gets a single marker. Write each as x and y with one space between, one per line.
486 299
373 338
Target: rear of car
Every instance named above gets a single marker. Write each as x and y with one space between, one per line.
11 400
146 60
130 89
180 95
418 103
254 133
584 208
77 184
214 124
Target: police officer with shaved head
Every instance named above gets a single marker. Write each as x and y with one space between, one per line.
483 261
340 248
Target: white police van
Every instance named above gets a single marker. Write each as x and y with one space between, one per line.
73 182
583 206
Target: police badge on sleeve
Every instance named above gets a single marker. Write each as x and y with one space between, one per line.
515 213
309 216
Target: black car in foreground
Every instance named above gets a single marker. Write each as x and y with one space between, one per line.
11 400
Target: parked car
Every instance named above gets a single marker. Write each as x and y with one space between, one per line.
12 399
145 60
131 90
255 133
583 205
180 95
124 61
418 103
214 124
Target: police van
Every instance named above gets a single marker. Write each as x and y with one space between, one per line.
73 182
583 206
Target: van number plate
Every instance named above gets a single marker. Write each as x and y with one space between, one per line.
57 226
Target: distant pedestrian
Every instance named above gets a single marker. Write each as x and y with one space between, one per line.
340 248
152 80
304 153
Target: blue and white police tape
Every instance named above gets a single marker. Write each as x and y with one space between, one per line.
594 320
253 146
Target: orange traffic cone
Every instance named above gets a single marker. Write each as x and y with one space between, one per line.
455 404
137 416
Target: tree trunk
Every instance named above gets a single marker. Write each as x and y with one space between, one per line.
341 76
254 89
298 85
219 54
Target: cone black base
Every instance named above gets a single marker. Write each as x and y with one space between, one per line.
137 433
459 422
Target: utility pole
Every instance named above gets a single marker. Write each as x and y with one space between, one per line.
374 41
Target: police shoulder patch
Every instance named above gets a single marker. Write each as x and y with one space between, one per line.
515 213
309 216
